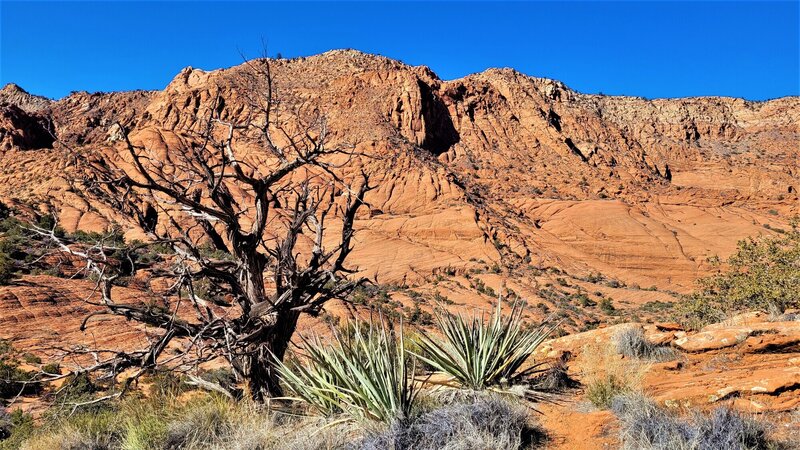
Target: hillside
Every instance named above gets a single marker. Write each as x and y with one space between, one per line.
493 166
596 210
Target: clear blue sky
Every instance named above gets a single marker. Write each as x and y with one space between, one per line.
652 49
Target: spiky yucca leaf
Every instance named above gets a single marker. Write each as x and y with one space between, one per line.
365 374
479 354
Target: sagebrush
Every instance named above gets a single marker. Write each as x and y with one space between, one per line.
646 426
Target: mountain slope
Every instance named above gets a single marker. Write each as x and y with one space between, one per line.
496 166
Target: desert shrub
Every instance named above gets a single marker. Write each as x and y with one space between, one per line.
657 306
15 427
763 274
113 237
645 426
365 374
5 423
632 343
52 368
77 387
479 354
6 348
482 422
11 240
96 430
418 316
6 268
30 358
607 306
785 317
601 392
606 374
15 381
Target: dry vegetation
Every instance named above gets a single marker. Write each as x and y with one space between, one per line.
382 386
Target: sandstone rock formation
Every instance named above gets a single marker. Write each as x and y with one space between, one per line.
494 166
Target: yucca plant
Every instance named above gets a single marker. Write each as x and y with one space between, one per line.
479 354
364 373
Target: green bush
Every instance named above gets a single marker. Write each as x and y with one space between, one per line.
763 274
92 237
30 358
15 381
607 306
9 243
6 268
77 388
15 428
52 368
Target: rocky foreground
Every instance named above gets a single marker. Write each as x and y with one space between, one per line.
750 362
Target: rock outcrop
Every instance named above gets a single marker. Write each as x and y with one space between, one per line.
497 166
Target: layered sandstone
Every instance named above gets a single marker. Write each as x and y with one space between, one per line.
494 166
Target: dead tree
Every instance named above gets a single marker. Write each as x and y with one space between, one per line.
248 233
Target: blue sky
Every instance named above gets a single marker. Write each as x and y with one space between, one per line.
651 49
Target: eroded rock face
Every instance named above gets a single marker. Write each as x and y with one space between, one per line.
45 312
498 165
21 130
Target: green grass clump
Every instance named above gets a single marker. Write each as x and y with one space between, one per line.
205 421
601 392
